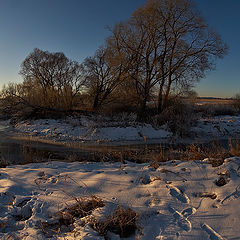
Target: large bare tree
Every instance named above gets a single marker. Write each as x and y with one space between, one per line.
103 75
51 80
168 45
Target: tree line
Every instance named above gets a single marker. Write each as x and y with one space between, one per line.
162 50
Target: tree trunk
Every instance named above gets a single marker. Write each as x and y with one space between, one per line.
96 100
106 94
160 98
165 100
141 115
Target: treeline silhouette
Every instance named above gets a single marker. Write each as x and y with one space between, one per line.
155 56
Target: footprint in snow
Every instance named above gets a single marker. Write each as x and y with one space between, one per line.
175 192
232 196
3 175
213 235
155 202
143 179
181 218
7 198
188 212
22 202
23 209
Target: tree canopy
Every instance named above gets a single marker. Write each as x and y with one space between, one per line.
166 43
162 50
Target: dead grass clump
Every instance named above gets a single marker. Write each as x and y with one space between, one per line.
224 178
234 149
221 181
215 152
83 207
193 152
137 156
3 224
212 109
3 162
121 221
205 195
27 154
154 164
162 155
236 102
33 154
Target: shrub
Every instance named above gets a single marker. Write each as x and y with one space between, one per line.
83 207
179 117
236 102
121 221
211 110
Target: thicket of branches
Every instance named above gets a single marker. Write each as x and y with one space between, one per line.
161 51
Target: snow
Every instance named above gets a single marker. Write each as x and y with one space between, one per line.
89 128
167 199
219 126
177 201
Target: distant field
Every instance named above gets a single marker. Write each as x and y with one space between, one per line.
204 101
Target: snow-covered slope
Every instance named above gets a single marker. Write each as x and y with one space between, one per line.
178 200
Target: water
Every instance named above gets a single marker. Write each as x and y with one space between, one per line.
25 151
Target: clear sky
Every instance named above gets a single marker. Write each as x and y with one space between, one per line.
78 27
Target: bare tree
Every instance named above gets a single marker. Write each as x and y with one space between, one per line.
102 75
166 43
51 80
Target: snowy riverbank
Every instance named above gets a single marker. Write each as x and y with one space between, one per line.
91 128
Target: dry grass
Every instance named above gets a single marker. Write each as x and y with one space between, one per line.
83 207
2 224
205 195
214 101
3 162
234 148
215 152
221 181
121 221
31 153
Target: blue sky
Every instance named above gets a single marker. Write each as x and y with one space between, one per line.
78 27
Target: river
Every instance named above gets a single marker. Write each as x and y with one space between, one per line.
17 148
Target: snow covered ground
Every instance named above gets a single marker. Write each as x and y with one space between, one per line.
178 200
219 126
175 201
91 129
94 129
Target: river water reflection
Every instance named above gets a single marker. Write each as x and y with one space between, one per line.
25 151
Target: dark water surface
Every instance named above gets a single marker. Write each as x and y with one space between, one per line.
21 151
